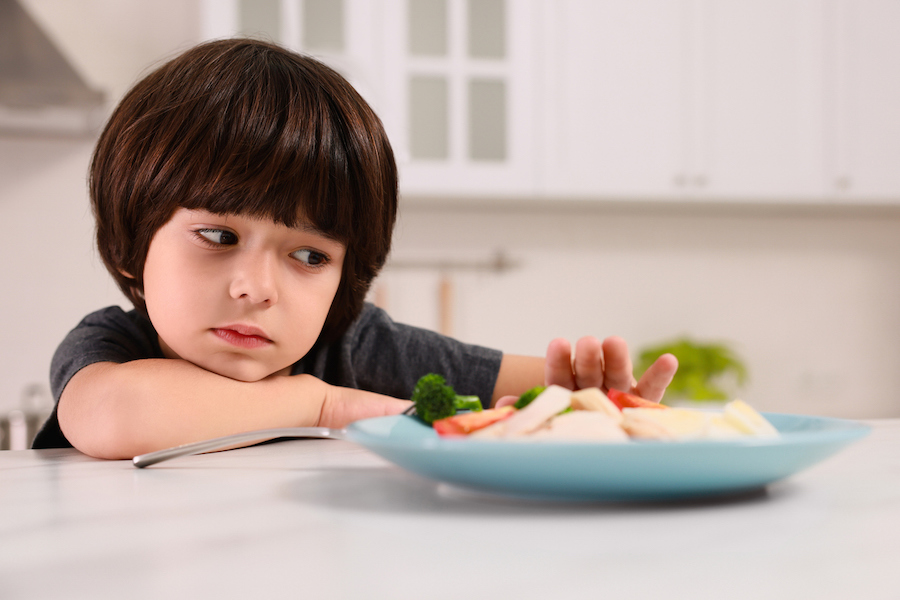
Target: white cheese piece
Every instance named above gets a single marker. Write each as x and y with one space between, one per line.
745 418
582 426
595 400
720 428
547 405
665 423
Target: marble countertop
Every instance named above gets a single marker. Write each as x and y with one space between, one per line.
327 519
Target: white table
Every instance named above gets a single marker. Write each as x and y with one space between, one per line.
325 519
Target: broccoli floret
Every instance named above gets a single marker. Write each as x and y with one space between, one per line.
526 398
472 403
434 399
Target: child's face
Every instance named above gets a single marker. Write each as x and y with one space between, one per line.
238 296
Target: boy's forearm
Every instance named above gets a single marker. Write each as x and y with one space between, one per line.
517 375
121 410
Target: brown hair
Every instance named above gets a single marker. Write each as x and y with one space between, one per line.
242 126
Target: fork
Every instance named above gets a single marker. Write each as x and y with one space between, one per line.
221 443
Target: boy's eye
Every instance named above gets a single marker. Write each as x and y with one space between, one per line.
310 257
219 236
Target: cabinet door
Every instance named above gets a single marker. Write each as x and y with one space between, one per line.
757 100
685 99
345 34
459 77
613 98
865 154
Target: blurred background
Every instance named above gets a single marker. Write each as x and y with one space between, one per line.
654 169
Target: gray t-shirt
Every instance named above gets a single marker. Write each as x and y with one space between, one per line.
375 354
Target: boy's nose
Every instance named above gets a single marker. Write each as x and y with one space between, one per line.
255 279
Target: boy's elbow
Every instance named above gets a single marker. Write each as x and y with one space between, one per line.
100 434
95 423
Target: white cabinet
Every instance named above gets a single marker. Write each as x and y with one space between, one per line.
684 99
739 100
756 123
612 97
864 86
460 87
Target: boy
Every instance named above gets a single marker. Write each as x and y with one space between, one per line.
245 198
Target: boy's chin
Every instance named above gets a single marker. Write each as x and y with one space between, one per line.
246 373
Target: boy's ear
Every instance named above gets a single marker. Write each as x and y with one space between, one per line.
126 273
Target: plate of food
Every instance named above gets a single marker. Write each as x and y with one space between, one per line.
559 448
587 445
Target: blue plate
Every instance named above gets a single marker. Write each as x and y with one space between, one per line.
609 472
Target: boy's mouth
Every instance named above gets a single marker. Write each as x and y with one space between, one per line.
243 336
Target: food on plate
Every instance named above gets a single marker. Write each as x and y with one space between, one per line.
741 416
592 399
466 423
555 413
549 403
435 400
625 400
526 398
671 424
582 426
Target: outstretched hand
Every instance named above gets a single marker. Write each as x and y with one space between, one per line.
606 365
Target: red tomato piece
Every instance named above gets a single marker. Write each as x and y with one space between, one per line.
626 400
466 423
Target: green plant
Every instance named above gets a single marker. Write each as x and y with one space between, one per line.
702 368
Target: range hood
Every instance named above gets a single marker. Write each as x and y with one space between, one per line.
40 91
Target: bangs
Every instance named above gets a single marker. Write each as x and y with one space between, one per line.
279 148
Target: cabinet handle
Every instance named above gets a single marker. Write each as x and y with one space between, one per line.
700 180
843 183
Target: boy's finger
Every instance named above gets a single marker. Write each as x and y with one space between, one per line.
617 368
506 401
654 382
588 363
558 366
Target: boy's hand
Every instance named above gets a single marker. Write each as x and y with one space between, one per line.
344 405
605 365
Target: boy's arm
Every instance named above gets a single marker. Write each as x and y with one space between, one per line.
111 410
595 364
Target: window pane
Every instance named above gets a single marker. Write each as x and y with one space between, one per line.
428 117
261 18
487 119
428 27
487 30
323 25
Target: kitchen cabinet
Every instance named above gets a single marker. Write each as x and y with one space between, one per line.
757 113
741 101
692 99
460 87
864 89
612 93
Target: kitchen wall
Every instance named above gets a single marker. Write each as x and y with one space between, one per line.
50 273
808 296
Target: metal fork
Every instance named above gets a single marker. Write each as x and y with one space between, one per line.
221 443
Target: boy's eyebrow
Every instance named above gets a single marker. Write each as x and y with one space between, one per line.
307 227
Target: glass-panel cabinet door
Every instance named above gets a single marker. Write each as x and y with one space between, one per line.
345 34
307 25
461 77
